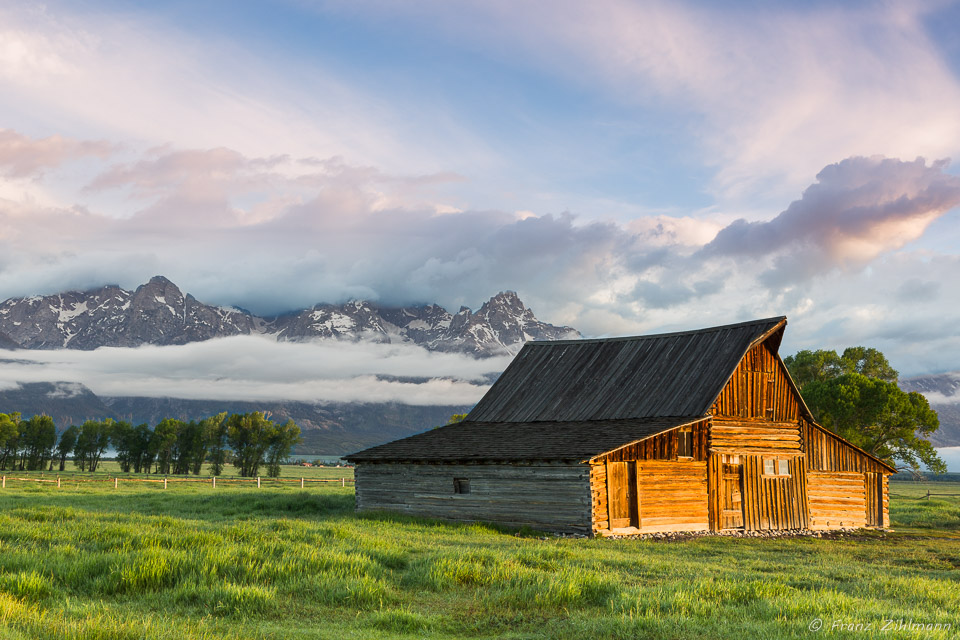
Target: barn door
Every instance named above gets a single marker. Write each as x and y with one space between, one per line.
873 483
731 516
622 494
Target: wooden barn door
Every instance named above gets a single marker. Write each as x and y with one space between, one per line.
731 516
873 483
622 494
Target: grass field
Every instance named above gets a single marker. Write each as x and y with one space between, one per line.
90 561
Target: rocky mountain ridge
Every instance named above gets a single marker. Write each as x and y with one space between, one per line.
159 313
942 390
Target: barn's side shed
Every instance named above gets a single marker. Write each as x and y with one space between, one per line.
698 430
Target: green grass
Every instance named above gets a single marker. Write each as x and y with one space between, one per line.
88 561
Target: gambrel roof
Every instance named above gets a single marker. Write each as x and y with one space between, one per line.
575 399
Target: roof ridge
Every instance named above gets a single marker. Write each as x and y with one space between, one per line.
650 336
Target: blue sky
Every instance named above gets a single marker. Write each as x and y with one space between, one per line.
626 167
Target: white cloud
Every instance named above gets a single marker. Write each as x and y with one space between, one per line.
259 369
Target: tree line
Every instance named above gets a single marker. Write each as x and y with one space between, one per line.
249 441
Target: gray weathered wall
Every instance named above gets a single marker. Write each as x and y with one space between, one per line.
551 497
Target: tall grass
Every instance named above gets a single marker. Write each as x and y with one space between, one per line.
89 561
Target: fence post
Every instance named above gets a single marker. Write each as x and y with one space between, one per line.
301 482
164 482
58 482
116 481
343 482
214 482
258 482
4 482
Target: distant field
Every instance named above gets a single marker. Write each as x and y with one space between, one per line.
110 469
92 562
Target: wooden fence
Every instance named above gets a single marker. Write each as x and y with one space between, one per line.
212 481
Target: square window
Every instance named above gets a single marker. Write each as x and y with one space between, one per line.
461 485
783 468
769 467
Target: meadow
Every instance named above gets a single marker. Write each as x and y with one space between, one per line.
88 561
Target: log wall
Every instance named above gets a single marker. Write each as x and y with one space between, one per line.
552 497
755 437
837 499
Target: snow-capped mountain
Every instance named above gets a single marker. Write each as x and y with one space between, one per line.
159 313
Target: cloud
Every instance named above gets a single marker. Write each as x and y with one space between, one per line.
259 369
22 156
857 210
273 234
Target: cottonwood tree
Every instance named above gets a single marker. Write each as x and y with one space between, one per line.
9 437
68 440
249 436
215 438
282 441
92 442
163 442
38 436
856 396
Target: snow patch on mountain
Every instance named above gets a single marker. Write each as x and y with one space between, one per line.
159 313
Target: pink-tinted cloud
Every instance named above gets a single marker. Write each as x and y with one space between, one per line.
857 210
23 157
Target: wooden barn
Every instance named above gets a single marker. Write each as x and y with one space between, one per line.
692 431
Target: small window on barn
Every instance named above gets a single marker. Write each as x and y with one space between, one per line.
685 443
777 467
461 485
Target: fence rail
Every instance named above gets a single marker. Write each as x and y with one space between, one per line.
213 480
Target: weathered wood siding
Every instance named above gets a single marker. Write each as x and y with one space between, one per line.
755 437
758 390
671 496
837 499
552 497
662 446
826 452
774 502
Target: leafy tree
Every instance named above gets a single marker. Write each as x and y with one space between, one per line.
68 440
9 435
809 366
163 443
38 435
282 440
215 441
249 435
92 441
189 449
141 455
125 441
856 396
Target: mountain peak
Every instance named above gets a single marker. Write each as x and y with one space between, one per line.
159 313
